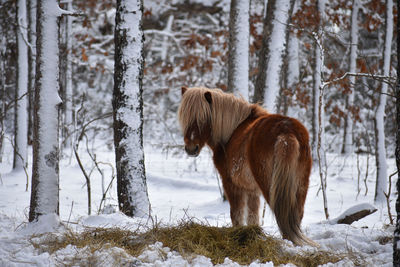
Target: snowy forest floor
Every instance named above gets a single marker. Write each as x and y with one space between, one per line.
181 187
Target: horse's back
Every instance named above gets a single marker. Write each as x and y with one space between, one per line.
273 136
269 129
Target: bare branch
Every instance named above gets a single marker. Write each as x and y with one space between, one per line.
387 195
382 78
87 177
23 160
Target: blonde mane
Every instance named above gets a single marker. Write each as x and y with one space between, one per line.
225 113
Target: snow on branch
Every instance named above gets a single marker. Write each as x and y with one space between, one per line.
23 30
382 78
168 34
354 213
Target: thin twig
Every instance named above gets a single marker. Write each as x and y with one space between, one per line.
263 212
381 78
23 165
10 105
387 195
87 179
103 199
70 212
358 175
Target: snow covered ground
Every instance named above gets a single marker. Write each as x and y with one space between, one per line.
179 187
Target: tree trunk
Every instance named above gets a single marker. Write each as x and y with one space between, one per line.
380 153
348 131
291 67
9 59
31 64
128 109
68 76
238 62
66 116
45 170
3 110
165 43
271 57
318 120
396 236
21 120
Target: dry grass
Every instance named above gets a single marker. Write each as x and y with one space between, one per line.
241 244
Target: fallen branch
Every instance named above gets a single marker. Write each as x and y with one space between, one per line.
354 213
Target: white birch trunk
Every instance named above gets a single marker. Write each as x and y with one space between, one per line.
31 63
68 86
381 165
2 92
293 72
128 109
45 171
277 44
238 65
21 118
348 138
319 103
317 83
167 30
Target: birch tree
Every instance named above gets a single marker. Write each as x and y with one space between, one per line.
238 62
65 34
21 119
380 151
318 122
318 119
31 5
8 65
271 56
396 236
292 66
45 170
348 131
128 109
68 86
2 91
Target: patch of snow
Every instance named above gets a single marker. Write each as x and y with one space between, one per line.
175 193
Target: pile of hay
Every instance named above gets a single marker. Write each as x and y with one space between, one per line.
240 244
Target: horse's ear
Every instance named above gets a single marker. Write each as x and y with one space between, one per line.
207 95
183 89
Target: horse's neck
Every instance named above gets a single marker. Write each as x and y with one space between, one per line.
222 135
226 120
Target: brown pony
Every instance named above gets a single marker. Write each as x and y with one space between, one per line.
255 153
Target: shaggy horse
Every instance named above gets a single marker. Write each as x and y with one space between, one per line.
255 153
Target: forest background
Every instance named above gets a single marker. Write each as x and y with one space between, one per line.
186 44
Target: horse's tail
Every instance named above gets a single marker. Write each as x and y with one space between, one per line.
285 189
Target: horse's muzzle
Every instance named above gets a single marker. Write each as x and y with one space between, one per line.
192 151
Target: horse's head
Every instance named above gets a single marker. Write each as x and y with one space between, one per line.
195 119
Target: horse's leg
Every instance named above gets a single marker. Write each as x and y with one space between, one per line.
253 206
234 192
237 202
